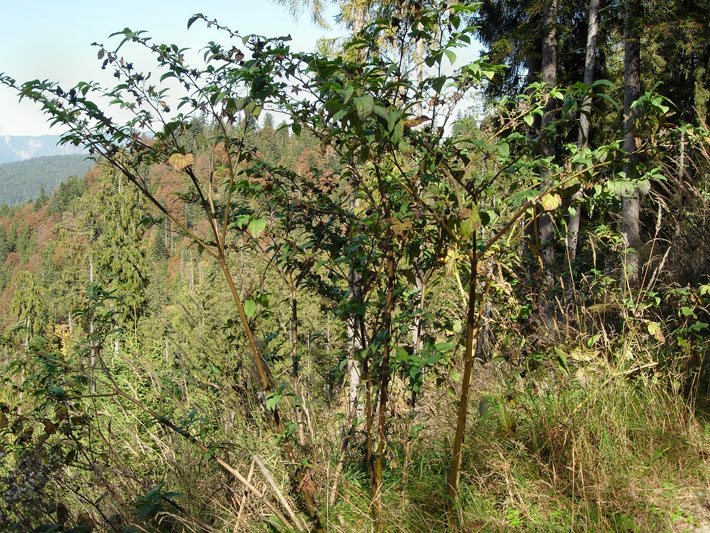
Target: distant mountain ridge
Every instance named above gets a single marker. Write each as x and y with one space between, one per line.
22 181
23 147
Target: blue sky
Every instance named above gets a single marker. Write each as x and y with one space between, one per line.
50 39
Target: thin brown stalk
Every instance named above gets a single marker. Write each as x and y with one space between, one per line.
454 472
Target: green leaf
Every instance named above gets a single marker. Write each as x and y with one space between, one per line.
602 83
364 105
658 103
489 73
487 216
347 93
471 223
250 308
253 109
562 359
256 227
381 112
620 188
438 83
272 400
608 99
655 329
57 391
444 346
529 119
397 133
192 19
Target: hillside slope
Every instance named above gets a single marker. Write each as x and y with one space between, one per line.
24 180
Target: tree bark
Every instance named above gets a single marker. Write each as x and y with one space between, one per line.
548 70
630 204
584 121
454 472
355 339
295 367
417 346
355 342
376 487
548 75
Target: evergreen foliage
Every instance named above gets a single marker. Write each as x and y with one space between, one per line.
27 180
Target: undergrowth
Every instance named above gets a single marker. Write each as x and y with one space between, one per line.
552 454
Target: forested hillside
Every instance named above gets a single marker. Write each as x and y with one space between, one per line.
27 180
311 292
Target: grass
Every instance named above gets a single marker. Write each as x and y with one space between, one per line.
612 454
587 447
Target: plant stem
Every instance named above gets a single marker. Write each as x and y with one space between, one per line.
454 472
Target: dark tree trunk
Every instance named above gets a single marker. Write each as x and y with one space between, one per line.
295 366
548 75
630 204
377 465
584 120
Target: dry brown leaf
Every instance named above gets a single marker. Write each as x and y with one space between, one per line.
181 161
